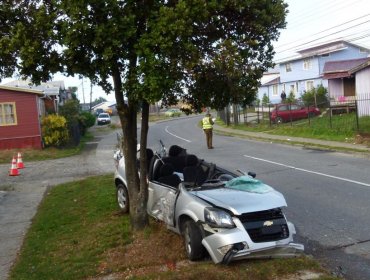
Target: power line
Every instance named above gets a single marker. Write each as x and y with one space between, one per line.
336 26
317 39
317 9
296 57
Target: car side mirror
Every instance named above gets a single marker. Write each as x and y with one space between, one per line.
252 174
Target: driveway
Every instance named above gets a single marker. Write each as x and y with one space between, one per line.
21 195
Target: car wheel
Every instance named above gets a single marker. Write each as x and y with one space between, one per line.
193 241
122 198
311 114
279 120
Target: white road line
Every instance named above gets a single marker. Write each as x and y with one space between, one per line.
176 135
310 171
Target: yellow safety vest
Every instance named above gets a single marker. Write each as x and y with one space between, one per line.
206 123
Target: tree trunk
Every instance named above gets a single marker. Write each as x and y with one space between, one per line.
137 191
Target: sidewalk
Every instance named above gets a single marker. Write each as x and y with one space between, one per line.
306 142
21 195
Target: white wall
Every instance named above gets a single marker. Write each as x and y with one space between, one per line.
363 92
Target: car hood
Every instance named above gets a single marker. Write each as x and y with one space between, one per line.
239 202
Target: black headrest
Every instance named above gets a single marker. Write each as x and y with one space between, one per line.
191 160
175 150
149 153
166 169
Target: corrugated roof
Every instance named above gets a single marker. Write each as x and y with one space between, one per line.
49 88
27 90
338 75
343 65
272 82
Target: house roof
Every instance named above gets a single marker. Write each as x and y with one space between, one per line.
19 89
273 82
344 68
321 49
49 88
268 77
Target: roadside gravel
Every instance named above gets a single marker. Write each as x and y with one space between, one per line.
21 195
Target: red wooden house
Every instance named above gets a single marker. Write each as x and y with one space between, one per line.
20 112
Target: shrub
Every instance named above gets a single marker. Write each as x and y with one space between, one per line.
86 120
321 94
265 99
70 110
54 130
290 98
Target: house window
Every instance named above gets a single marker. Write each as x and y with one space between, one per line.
288 67
275 90
309 85
307 64
7 114
363 50
292 88
325 55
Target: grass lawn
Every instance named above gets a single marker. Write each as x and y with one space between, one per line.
44 154
78 233
343 127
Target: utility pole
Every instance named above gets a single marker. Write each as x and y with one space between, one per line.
90 96
83 90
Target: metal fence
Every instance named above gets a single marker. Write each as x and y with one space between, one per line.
350 113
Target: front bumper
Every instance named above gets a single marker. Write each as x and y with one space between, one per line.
246 249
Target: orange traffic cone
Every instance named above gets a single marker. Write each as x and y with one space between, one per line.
13 169
20 164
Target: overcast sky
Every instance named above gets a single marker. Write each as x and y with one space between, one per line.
309 23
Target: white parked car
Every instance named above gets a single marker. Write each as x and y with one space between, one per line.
226 215
103 118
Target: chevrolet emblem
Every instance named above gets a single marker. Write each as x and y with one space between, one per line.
268 223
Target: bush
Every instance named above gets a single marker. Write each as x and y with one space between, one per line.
290 98
321 94
70 110
86 120
54 130
265 100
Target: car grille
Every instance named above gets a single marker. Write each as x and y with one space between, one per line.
265 226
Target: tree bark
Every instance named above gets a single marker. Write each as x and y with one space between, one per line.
137 191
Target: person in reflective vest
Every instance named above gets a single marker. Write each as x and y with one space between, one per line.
207 124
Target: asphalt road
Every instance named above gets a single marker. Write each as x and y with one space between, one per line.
327 193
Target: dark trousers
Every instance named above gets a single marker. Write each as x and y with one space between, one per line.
208 133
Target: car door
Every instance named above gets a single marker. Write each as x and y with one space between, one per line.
161 198
283 112
299 112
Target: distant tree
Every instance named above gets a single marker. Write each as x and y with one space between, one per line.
204 53
98 101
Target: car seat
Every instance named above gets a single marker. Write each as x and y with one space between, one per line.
167 176
193 172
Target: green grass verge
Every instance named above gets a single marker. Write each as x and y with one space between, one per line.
77 233
46 153
342 128
75 224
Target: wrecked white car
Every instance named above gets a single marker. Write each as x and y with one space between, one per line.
226 215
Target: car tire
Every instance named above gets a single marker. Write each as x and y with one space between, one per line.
279 120
193 241
311 114
122 198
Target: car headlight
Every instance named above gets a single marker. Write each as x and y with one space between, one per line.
218 218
